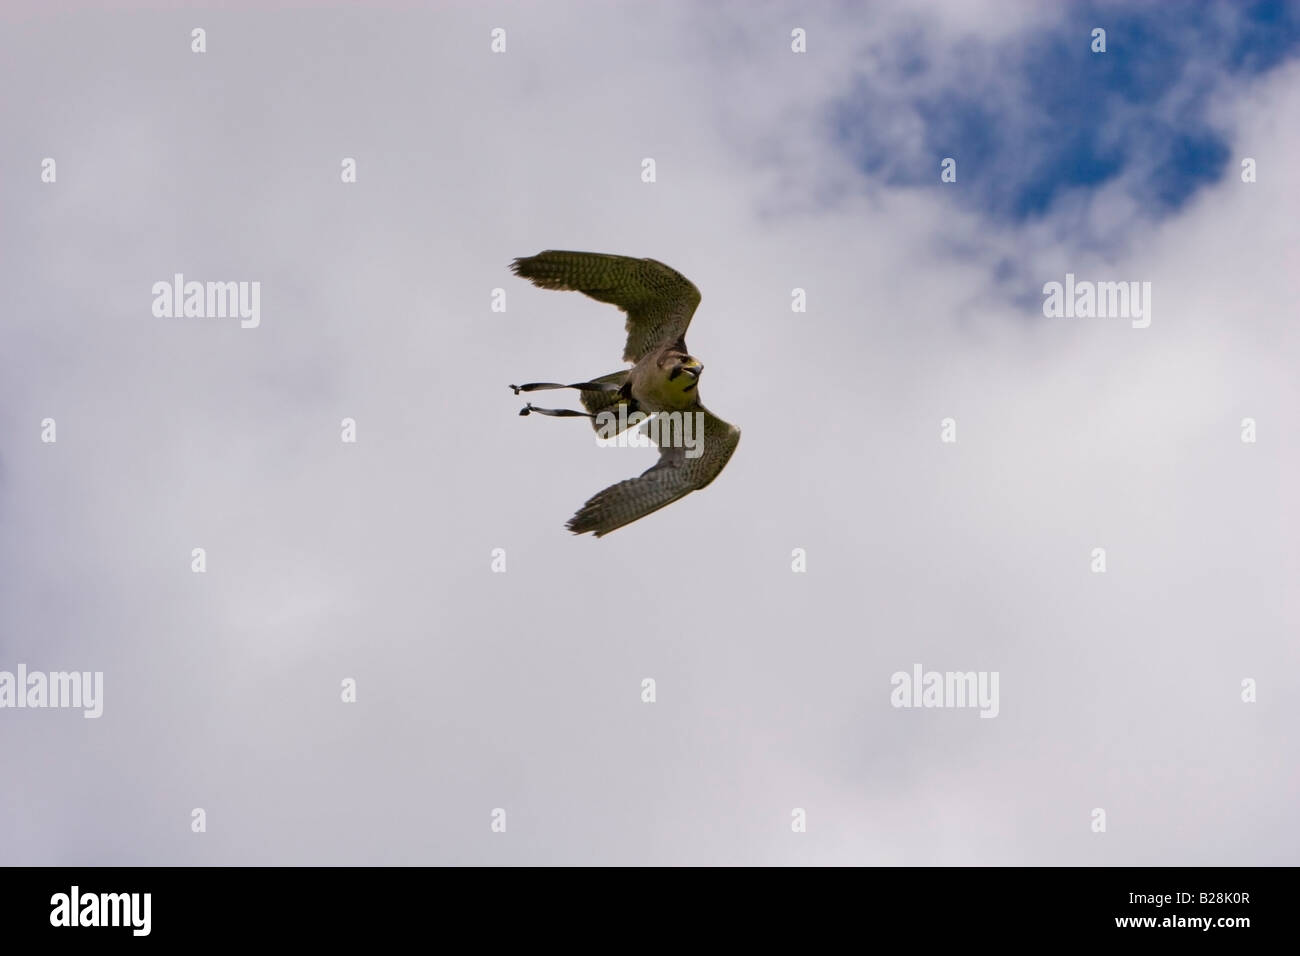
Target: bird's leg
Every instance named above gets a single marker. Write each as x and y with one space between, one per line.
583 386
535 386
562 412
554 412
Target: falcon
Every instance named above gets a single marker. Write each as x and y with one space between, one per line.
664 377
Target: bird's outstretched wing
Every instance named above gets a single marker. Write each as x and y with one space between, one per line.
659 301
673 477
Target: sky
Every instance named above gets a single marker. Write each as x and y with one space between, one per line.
846 542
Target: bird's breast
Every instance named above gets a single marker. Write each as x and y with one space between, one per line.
657 394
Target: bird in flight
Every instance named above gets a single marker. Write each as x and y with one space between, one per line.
659 303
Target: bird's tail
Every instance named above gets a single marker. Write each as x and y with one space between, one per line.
606 401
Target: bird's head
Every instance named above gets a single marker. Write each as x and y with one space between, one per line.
684 372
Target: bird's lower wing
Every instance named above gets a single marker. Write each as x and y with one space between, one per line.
675 476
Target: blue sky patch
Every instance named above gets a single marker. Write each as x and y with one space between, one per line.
1042 116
